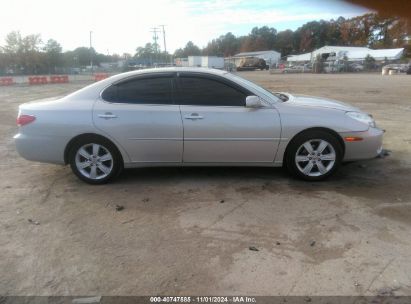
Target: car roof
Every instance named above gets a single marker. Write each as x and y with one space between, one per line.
174 69
91 90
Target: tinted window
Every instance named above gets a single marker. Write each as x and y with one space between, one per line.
141 91
208 92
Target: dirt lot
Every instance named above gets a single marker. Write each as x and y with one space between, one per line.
347 236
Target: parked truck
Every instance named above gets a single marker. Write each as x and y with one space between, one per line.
251 64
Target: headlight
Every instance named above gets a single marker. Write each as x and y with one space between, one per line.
365 118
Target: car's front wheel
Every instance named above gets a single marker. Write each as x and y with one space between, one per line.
95 160
313 155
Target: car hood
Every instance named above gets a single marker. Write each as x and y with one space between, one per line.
312 101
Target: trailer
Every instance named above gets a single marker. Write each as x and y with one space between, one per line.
212 62
194 61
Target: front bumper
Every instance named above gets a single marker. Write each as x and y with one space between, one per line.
369 147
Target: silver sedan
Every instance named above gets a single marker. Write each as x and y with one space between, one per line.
192 117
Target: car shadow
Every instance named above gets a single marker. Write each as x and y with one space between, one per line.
379 180
159 174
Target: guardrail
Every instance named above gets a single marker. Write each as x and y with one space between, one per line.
6 81
100 76
50 79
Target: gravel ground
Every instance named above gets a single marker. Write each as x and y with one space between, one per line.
187 231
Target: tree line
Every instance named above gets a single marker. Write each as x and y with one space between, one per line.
370 30
30 55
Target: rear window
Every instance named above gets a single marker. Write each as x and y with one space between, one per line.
141 91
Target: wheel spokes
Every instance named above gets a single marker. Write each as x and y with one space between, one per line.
302 158
90 164
310 159
323 144
104 169
330 156
96 149
105 157
83 165
93 172
309 147
321 167
307 169
84 153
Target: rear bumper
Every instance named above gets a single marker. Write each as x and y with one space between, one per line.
369 147
41 149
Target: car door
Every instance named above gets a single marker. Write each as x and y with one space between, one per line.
219 128
140 115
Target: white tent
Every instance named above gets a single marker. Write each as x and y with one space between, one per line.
352 53
390 54
299 58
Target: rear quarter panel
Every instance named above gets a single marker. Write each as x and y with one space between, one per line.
57 122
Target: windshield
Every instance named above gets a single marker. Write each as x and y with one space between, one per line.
254 86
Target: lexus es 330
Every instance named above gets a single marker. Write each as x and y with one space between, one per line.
192 117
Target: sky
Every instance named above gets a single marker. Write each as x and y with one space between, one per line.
121 26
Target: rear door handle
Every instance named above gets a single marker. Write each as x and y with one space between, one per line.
193 116
107 115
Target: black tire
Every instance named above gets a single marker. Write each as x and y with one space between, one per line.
295 147
115 164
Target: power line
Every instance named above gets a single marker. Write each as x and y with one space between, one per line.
155 30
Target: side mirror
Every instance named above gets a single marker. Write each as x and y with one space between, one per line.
253 102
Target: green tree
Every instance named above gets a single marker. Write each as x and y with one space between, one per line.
24 52
285 42
54 55
84 55
189 50
149 55
259 39
226 45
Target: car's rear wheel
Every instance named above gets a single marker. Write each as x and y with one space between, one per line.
95 160
313 155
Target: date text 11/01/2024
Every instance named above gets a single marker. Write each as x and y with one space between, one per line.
236 299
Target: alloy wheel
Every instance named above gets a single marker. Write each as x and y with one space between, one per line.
315 157
94 161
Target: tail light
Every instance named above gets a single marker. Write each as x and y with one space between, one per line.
23 120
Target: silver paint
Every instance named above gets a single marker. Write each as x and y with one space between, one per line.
181 135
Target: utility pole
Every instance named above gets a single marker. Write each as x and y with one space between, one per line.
164 38
164 41
155 38
91 54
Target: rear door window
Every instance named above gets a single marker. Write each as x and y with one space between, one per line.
153 90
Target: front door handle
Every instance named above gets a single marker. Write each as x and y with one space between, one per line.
107 115
193 116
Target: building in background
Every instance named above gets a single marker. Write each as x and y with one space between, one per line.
348 53
201 61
